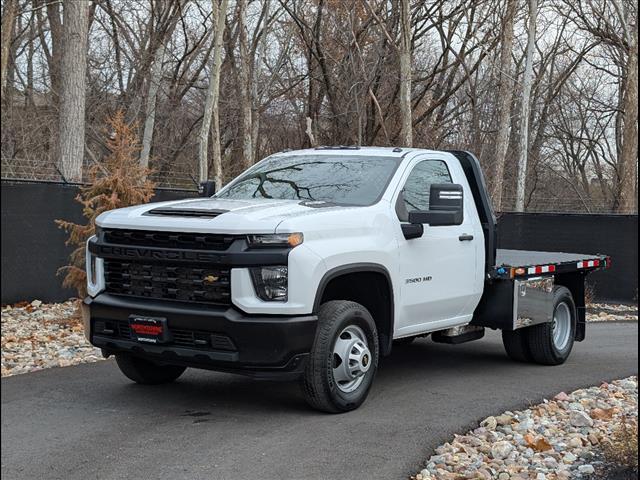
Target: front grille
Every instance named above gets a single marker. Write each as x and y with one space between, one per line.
168 282
187 241
179 337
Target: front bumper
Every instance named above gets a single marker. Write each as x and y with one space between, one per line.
272 347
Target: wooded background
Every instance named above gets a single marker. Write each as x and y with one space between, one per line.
545 92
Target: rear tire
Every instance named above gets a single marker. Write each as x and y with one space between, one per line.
515 343
551 343
147 373
547 343
344 358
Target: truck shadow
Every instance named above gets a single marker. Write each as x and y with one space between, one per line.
199 396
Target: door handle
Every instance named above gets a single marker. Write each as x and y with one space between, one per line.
465 238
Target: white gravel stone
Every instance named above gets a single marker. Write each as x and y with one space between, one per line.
600 312
501 450
580 419
490 423
586 469
559 445
38 335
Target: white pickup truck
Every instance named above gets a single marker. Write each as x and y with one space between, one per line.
312 264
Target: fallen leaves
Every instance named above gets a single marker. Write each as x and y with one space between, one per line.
603 414
539 444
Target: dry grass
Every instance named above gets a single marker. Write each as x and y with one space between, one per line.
622 448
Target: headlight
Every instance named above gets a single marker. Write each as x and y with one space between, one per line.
271 283
275 240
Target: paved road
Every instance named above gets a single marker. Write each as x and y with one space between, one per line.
89 422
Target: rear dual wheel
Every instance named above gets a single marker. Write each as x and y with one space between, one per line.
547 343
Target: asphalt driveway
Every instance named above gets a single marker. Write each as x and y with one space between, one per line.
89 422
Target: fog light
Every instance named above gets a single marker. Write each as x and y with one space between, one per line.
271 283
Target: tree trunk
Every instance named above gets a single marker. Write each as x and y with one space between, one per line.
406 128
73 89
627 168
256 97
526 102
505 93
30 55
57 46
211 110
8 22
155 78
245 86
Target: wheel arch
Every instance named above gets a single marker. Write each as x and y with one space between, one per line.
346 283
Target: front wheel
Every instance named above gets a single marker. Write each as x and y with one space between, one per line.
344 358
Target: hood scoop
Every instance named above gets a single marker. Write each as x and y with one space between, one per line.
186 212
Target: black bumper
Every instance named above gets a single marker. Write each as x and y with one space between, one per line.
260 346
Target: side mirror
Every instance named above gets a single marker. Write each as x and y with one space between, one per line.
446 202
207 189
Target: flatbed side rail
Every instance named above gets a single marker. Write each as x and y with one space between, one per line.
507 272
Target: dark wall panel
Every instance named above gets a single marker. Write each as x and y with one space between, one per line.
33 246
614 235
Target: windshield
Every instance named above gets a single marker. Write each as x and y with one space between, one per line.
344 179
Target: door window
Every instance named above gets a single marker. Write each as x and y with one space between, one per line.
418 185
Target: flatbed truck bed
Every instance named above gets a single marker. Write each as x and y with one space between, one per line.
528 263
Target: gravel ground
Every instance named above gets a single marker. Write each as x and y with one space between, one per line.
555 440
37 335
604 312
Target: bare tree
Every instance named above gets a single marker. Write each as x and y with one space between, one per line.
406 129
627 169
295 73
150 108
73 89
505 94
526 104
244 84
211 118
8 22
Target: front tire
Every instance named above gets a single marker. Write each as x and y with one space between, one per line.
147 373
344 358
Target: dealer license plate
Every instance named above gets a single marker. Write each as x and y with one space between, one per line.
149 329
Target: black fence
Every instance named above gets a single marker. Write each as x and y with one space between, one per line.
33 246
614 235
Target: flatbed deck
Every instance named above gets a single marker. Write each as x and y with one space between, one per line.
524 263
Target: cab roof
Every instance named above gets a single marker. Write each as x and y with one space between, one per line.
395 152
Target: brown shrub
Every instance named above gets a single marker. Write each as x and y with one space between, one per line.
621 449
117 182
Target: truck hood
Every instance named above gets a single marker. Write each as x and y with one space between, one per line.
213 215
